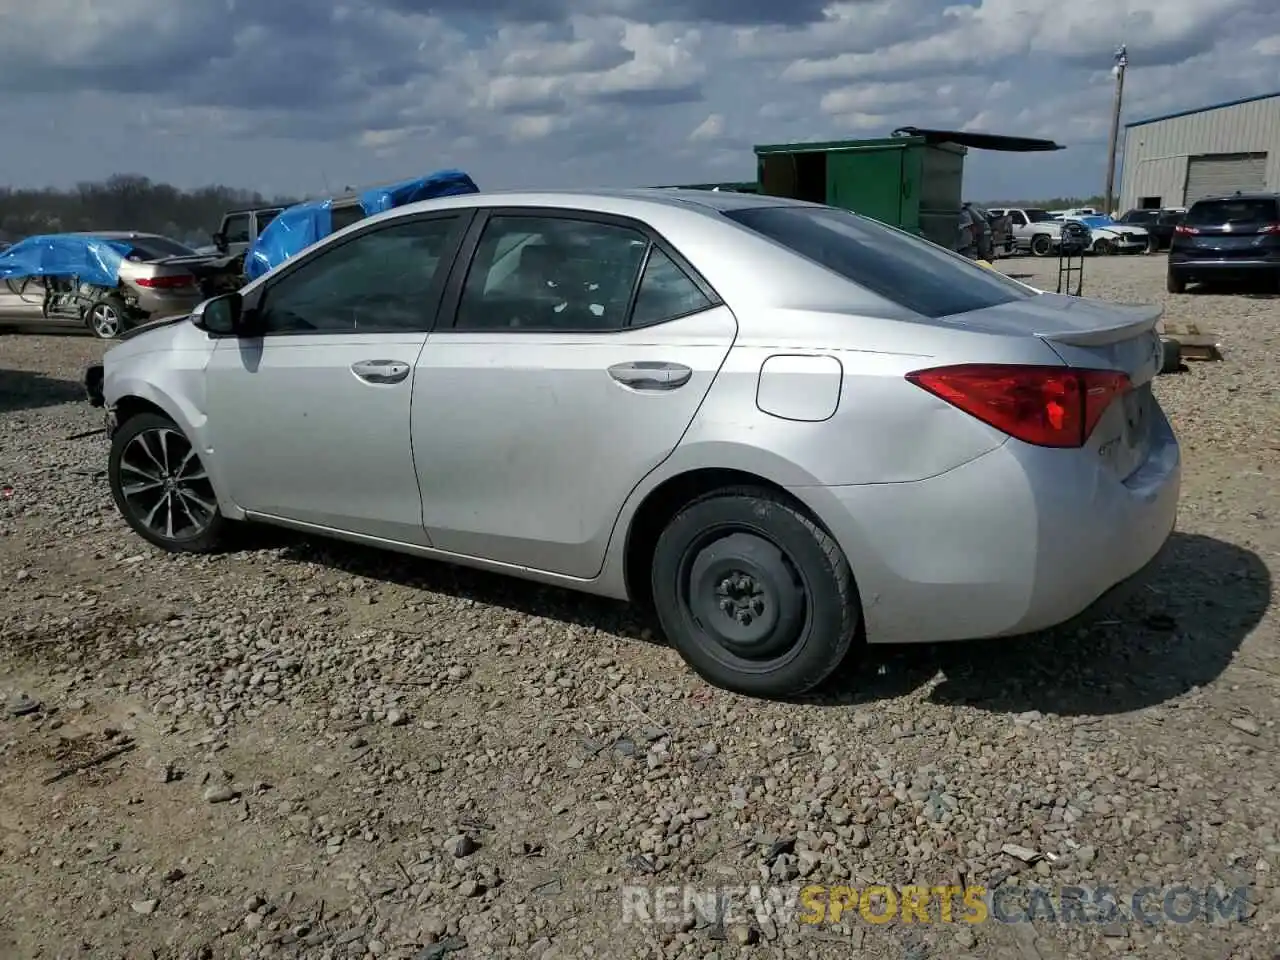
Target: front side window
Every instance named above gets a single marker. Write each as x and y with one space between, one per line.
236 228
383 281
893 264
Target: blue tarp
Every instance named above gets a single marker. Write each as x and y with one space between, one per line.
290 231
298 227
91 259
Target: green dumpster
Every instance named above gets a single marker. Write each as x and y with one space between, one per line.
906 182
911 180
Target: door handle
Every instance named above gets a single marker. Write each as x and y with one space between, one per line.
651 374
380 371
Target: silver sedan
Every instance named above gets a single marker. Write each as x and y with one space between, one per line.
784 426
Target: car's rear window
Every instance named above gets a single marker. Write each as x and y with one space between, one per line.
902 268
1243 210
157 248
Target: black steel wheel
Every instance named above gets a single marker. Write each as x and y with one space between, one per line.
1041 245
755 596
161 487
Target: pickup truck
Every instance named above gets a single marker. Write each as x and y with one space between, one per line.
1034 230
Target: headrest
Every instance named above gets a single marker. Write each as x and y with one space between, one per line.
541 258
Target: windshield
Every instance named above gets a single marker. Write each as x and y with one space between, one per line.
156 248
1244 210
902 268
1039 216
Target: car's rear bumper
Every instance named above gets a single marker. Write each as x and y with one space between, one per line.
1185 265
1020 539
158 305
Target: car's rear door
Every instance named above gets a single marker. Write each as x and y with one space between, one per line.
310 421
577 352
21 300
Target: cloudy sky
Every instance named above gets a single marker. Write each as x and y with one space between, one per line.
300 96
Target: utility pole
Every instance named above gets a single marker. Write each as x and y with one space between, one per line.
1117 71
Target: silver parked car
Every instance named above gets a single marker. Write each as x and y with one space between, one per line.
779 423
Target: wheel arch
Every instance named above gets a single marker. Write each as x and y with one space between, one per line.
660 504
132 396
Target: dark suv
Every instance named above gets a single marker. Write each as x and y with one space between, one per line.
1227 238
1159 225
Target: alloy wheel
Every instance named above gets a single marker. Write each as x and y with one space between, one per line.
165 486
105 321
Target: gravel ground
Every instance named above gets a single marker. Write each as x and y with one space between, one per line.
333 753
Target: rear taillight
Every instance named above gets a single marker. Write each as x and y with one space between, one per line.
180 282
1045 406
1184 230
1271 228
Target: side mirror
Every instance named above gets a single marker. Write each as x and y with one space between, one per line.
220 241
225 316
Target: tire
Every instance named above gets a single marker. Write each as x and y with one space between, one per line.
805 611
141 449
1104 247
1174 283
1171 357
1041 245
105 318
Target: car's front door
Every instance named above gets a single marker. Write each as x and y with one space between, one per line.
1020 225
580 350
310 421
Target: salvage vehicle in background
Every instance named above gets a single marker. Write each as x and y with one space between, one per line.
298 227
585 389
1227 239
1035 231
1159 225
1108 236
106 281
239 229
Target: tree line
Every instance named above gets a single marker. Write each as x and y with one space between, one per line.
129 201
123 202
1053 203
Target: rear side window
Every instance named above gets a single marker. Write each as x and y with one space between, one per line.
1244 210
904 269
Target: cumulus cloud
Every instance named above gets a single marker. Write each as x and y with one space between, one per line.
525 92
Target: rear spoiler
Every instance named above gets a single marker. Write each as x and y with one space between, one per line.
1134 320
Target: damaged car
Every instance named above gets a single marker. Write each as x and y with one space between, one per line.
107 281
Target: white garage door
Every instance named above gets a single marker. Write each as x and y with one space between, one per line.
1219 174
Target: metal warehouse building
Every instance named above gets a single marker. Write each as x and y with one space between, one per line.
1174 160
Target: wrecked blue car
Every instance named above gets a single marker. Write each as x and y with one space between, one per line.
299 226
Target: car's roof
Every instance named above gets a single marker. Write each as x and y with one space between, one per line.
700 200
116 234
1239 196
